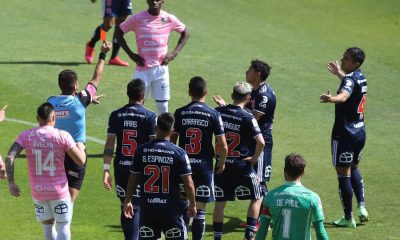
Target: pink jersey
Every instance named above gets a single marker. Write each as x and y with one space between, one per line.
152 33
45 149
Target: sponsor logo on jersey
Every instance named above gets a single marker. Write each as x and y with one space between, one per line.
62 114
157 200
42 188
125 162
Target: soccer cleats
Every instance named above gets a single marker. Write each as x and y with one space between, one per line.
363 214
343 222
117 61
89 53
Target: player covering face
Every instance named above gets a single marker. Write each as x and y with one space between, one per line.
46 148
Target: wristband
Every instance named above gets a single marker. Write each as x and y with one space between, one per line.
102 56
106 167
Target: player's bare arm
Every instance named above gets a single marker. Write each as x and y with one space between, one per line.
340 98
130 189
257 115
78 154
189 189
221 141
107 158
3 113
219 100
15 149
121 40
2 169
181 43
260 143
334 68
98 71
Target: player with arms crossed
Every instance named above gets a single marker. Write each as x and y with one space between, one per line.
114 11
132 125
195 125
152 29
45 148
348 133
239 178
292 207
70 108
159 167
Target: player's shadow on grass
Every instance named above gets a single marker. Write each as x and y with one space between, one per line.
42 63
231 224
330 225
114 228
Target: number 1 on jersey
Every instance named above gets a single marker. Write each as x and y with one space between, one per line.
47 165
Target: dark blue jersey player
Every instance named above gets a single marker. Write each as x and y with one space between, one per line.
159 167
195 126
132 125
239 178
348 134
262 105
70 108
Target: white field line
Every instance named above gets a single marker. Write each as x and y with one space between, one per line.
92 139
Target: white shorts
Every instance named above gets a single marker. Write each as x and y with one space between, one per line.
61 210
156 78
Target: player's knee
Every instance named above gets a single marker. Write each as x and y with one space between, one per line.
47 222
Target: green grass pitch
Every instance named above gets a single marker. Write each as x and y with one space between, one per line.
42 37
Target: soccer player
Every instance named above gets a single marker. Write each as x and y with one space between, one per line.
132 125
292 207
159 167
70 109
2 166
195 125
45 147
348 133
114 11
152 29
239 178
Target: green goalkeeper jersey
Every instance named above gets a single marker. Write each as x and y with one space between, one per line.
293 208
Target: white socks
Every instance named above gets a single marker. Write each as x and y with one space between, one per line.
49 232
162 106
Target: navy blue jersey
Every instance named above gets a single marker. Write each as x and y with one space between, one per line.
161 165
349 116
70 113
196 123
263 100
240 129
132 124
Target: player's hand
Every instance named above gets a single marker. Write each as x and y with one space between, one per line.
220 167
2 169
96 99
14 189
128 210
251 160
326 97
192 210
219 100
3 113
334 67
106 47
168 58
107 180
137 59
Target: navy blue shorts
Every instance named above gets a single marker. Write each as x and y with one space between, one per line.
117 8
237 182
121 177
166 219
345 151
263 167
204 186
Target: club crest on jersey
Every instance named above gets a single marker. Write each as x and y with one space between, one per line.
165 20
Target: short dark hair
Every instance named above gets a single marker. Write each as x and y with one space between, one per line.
262 67
136 89
357 55
165 121
67 80
294 165
197 87
44 111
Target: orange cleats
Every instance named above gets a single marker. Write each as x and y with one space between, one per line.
117 61
89 53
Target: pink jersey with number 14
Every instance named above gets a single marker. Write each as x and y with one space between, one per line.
45 149
152 33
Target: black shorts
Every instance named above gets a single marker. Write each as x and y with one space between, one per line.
75 173
346 152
